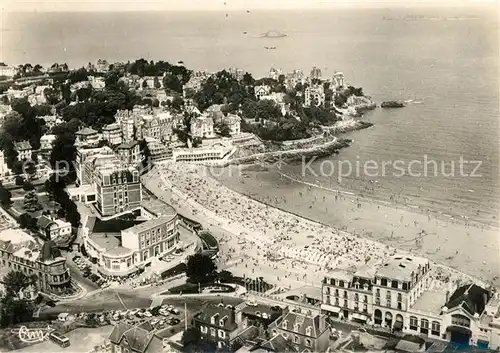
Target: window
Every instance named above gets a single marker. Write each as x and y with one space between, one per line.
424 326
388 295
405 286
309 331
365 299
337 301
377 301
222 334
356 297
400 306
212 331
203 329
345 303
308 342
336 292
436 328
285 324
383 282
413 323
365 308
394 284
377 293
341 283
296 328
400 297
345 294
296 339
327 290
356 285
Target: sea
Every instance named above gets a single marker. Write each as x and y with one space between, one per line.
443 61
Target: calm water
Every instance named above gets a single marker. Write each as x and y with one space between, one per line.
450 66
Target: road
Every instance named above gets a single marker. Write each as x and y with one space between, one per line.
108 300
77 275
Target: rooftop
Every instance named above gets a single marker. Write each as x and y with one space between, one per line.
22 146
120 250
111 127
470 297
152 223
127 145
342 275
430 302
86 131
15 236
106 241
400 267
158 207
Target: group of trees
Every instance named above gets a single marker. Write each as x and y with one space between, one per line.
21 124
55 187
14 307
28 70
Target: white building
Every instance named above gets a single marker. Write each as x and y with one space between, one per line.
46 143
314 96
136 247
87 138
54 228
202 126
260 91
338 80
234 123
23 150
112 133
4 170
211 154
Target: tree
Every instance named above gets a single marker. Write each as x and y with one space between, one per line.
27 186
191 337
17 281
14 311
5 196
200 268
30 202
223 129
177 102
144 84
26 221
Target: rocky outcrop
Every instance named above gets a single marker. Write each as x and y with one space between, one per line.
322 150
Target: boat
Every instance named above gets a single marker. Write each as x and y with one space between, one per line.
270 47
393 104
273 34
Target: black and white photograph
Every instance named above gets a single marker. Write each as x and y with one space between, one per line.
249 176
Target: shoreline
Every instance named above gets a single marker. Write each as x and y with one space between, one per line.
330 233
431 242
435 213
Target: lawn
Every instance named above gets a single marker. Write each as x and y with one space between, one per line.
44 200
192 288
180 268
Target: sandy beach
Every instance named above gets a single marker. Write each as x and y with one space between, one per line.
466 246
266 240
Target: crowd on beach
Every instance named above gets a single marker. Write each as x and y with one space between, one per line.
272 238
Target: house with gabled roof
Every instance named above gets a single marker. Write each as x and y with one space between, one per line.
305 332
23 149
135 339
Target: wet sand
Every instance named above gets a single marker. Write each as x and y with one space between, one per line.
466 246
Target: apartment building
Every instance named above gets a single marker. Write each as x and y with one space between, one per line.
21 252
381 298
118 189
46 143
129 153
112 133
217 324
87 138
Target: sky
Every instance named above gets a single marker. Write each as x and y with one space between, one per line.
206 5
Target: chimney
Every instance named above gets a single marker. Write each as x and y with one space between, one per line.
232 315
485 298
447 296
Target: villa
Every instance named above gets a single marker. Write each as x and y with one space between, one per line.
112 133
203 127
23 150
87 138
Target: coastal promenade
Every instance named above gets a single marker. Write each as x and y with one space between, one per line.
273 240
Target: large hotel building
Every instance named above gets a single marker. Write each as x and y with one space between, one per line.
401 295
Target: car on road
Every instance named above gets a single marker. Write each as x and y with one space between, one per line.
174 321
175 311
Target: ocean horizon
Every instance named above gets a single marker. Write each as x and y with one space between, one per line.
445 59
